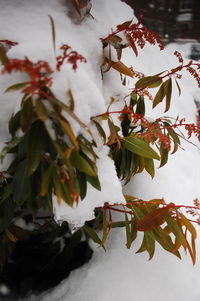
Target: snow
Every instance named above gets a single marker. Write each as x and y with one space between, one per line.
117 274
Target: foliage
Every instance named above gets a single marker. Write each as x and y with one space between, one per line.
49 160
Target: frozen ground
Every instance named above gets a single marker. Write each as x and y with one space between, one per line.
118 274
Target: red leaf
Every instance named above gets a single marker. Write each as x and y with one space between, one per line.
153 219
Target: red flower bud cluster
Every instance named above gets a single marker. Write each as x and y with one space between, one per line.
38 73
71 56
9 43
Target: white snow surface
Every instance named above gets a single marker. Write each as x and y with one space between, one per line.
117 274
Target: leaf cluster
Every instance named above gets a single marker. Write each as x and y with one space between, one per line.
160 224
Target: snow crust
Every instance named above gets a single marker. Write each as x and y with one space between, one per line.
118 274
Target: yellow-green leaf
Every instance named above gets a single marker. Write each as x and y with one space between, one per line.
16 87
149 166
41 110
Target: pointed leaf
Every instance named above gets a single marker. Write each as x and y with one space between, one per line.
159 96
16 87
149 166
147 82
46 179
140 147
53 32
94 181
41 110
168 93
82 164
36 146
92 234
26 115
152 219
120 67
179 89
140 109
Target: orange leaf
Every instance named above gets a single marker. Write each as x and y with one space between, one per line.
120 67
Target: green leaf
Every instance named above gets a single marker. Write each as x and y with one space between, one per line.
128 232
133 99
100 130
41 110
149 166
53 32
139 147
26 114
16 87
140 109
189 226
21 184
82 164
69 111
159 95
176 230
148 82
92 234
164 153
165 241
3 56
150 245
106 229
82 184
12 144
46 179
113 134
94 181
168 93
7 192
36 146
179 89
14 123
